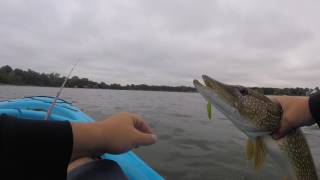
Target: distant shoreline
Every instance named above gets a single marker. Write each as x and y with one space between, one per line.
29 77
18 77
19 85
275 91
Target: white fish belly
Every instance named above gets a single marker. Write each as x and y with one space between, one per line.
279 156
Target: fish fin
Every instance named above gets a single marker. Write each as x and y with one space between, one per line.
250 149
260 153
209 110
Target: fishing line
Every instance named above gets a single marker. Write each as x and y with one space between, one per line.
59 92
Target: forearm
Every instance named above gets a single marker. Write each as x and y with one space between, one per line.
78 138
29 145
86 140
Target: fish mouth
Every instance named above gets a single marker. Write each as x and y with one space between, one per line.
214 90
227 99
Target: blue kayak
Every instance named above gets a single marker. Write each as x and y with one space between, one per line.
36 107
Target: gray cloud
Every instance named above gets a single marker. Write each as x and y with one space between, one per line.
255 43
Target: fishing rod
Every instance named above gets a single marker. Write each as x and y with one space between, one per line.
59 92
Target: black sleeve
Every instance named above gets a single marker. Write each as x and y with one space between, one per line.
33 149
314 105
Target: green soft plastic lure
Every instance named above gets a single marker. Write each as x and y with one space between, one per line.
209 110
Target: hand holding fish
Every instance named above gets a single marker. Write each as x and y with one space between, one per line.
296 113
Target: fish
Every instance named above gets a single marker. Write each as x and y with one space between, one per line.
258 116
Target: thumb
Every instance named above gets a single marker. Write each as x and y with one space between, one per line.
144 139
282 131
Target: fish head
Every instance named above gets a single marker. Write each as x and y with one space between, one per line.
250 111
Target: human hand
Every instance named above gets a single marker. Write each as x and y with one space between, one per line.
116 134
296 113
124 131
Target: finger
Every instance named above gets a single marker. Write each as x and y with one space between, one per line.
282 131
141 125
277 135
143 139
279 100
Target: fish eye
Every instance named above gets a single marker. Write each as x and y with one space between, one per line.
243 91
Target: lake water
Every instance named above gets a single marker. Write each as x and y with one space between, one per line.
190 146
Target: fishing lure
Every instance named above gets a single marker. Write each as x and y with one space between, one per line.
209 110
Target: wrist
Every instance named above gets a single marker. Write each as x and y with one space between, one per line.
309 120
314 107
85 140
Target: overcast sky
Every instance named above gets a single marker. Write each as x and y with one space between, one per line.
171 42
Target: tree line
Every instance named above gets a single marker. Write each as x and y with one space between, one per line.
8 75
17 76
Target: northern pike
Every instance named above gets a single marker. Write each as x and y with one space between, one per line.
257 116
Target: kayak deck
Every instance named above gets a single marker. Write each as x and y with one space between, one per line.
36 107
